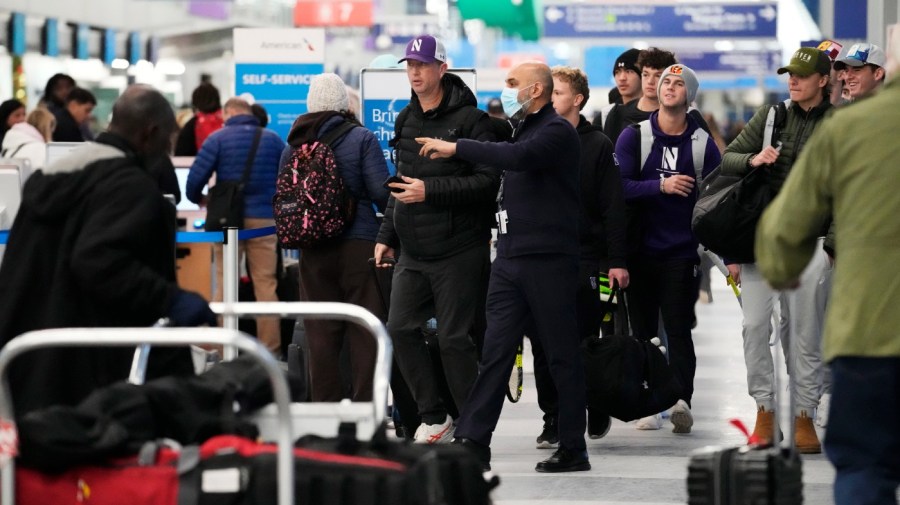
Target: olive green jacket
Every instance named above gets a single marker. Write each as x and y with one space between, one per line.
851 169
797 128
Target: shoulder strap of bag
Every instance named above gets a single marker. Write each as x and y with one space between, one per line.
646 132
698 149
698 146
769 131
14 153
337 132
604 114
252 156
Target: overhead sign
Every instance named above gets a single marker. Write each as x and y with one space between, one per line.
655 21
275 66
333 13
384 92
742 62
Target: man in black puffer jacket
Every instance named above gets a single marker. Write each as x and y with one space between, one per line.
440 218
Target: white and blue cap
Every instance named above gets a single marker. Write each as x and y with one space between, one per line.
861 54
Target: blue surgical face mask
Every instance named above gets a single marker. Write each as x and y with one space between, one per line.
509 98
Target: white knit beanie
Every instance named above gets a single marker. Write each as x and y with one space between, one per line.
327 92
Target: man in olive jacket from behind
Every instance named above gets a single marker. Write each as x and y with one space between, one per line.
849 170
440 218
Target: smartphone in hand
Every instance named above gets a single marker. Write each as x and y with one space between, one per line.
394 178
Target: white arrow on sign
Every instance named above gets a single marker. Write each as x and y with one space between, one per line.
768 13
554 14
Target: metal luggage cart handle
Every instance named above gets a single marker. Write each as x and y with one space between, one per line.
333 311
164 337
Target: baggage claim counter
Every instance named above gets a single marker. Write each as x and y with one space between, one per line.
193 260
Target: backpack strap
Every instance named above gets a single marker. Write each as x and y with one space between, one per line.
336 133
699 139
604 113
7 154
646 134
771 120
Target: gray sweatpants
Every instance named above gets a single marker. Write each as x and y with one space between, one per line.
804 312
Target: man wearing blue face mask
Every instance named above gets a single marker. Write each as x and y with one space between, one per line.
535 275
440 217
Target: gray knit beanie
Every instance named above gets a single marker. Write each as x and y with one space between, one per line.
327 92
691 83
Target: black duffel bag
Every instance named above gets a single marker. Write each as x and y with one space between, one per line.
726 214
627 378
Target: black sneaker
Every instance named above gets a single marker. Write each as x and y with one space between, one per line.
598 425
549 438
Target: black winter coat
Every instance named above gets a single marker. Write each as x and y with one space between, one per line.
92 246
459 196
601 229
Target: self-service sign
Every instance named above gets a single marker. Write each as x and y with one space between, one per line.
275 66
385 92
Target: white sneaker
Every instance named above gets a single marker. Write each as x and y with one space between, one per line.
822 410
653 422
435 433
681 418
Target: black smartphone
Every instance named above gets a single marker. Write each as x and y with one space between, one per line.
394 178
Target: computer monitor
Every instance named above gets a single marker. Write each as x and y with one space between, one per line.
11 182
182 166
58 150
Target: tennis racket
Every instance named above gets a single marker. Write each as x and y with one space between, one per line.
514 386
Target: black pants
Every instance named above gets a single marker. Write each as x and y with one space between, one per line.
450 290
339 272
589 317
536 292
668 287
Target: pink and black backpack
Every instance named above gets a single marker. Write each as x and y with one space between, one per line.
311 203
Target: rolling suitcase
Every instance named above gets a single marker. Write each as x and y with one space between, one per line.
751 474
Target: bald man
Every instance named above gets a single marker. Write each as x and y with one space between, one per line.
93 245
534 278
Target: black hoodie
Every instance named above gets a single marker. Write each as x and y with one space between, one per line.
602 226
459 196
93 244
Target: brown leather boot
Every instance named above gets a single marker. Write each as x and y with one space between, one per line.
764 431
805 436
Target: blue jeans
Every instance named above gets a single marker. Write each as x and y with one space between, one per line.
863 437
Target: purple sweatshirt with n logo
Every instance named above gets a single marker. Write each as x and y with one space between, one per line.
663 220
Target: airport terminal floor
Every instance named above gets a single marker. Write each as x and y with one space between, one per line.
631 467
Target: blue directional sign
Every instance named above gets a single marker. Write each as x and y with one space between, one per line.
741 62
661 21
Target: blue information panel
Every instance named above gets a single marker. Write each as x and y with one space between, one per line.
274 67
742 62
681 20
279 87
